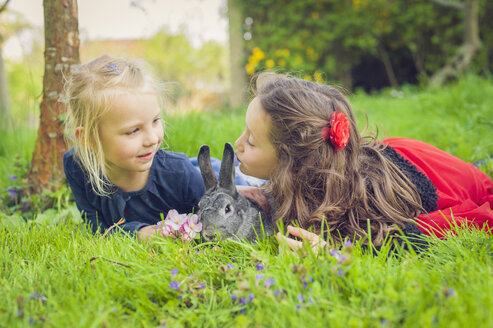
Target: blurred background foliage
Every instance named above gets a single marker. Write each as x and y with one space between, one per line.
360 43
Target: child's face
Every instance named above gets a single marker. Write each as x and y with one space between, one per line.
131 133
254 149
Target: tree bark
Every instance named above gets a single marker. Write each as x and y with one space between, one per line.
238 78
389 70
61 53
470 46
4 89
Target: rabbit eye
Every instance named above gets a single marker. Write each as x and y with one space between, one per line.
227 209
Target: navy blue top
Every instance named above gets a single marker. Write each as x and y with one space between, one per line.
174 183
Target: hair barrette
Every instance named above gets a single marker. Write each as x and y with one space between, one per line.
114 68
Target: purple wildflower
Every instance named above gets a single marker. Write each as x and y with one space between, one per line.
310 300
201 286
269 282
243 310
230 265
277 292
301 298
19 312
340 272
12 177
12 193
243 300
174 272
384 322
259 277
259 267
251 296
298 307
234 297
31 320
305 284
174 285
41 297
347 243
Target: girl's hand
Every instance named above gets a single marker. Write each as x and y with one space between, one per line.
147 232
312 239
256 194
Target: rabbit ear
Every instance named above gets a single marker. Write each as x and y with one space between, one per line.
208 175
227 172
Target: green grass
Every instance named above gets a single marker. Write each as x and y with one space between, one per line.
120 282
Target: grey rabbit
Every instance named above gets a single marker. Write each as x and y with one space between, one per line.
223 209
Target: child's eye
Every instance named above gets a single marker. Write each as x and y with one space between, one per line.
132 132
249 142
156 120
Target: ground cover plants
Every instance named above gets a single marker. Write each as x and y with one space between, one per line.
55 273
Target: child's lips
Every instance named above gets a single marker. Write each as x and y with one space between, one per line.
146 156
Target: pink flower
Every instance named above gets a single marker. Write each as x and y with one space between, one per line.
166 230
193 224
175 220
188 236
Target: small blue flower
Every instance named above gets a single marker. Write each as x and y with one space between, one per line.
41 297
243 310
301 298
234 297
259 277
347 243
31 320
12 193
259 267
174 285
269 282
277 292
298 307
12 177
230 266
201 286
243 300
174 272
251 296
340 272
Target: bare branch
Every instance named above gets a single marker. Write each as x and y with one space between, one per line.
4 6
452 4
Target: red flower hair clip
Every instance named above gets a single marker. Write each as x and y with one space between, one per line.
338 130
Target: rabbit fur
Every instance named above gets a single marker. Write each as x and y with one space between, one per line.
223 209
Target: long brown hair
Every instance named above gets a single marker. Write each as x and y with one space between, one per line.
313 183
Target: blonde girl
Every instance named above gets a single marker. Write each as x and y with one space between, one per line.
116 168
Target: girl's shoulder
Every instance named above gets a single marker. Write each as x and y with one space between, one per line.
70 163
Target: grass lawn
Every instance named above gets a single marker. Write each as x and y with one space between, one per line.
54 273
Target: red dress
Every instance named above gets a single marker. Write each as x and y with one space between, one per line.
465 194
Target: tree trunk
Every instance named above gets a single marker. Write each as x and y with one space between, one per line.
61 53
389 70
238 84
470 46
4 92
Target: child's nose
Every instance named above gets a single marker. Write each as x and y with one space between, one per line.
151 138
239 144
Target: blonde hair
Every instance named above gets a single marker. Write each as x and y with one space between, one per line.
314 184
89 92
